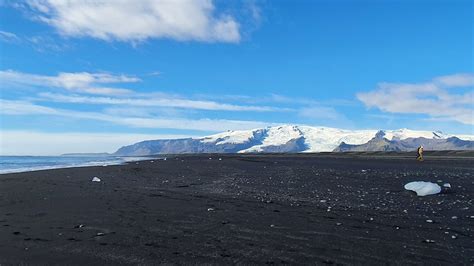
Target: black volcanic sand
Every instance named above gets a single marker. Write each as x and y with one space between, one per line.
252 209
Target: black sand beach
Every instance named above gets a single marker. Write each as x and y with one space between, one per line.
242 209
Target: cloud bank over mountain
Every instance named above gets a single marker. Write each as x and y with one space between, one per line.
444 97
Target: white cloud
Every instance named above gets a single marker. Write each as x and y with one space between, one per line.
23 108
255 11
43 43
9 37
162 101
456 80
155 73
320 112
18 142
277 98
46 43
216 125
97 84
435 98
138 20
77 82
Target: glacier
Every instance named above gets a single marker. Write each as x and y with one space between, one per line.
296 138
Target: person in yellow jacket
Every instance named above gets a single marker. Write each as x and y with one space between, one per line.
420 153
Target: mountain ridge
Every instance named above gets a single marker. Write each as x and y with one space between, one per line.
294 138
380 143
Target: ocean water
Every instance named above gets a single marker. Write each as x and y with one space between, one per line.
16 164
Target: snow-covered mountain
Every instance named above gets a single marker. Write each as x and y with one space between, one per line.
381 143
285 138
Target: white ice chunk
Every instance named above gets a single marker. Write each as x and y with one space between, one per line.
96 179
423 188
447 185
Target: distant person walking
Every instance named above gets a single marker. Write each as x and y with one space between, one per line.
420 153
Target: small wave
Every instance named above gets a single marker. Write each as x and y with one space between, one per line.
135 159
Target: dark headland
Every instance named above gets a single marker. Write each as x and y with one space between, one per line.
242 209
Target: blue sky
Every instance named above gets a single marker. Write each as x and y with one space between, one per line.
123 71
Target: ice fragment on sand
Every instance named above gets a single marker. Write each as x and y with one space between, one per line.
423 188
96 179
210 209
447 185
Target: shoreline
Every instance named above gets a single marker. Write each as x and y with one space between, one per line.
119 160
247 209
438 155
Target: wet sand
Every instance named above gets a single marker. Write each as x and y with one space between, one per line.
242 209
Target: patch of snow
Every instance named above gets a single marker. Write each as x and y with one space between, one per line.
326 139
423 188
231 137
407 133
277 136
465 137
